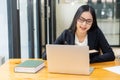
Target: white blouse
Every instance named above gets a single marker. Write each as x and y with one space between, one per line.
84 43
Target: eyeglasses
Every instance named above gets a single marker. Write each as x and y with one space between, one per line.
82 20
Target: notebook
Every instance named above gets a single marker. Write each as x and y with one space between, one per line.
71 59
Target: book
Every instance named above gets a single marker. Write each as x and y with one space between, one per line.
93 51
114 69
30 66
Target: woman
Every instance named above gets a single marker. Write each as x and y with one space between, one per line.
85 31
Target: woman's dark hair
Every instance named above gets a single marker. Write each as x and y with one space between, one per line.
80 10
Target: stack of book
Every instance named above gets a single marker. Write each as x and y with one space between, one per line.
30 66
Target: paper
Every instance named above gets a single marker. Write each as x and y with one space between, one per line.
93 51
115 69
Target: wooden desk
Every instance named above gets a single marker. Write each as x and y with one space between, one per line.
7 73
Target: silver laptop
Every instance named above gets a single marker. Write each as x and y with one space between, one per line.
71 59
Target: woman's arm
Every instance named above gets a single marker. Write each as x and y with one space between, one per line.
107 52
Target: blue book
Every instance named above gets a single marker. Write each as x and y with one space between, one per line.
30 66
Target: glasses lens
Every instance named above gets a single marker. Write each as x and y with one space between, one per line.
88 21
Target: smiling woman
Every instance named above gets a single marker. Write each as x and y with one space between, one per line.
85 31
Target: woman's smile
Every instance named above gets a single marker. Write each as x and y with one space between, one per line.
83 28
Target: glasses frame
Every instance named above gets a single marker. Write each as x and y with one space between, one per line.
88 21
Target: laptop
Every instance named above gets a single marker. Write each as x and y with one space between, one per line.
70 59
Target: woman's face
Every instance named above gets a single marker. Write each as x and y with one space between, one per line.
84 22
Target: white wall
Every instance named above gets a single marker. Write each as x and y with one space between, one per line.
23 29
3 29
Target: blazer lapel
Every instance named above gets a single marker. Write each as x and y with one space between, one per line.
91 40
72 39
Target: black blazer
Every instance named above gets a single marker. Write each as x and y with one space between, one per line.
96 40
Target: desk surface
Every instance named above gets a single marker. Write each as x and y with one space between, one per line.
7 73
